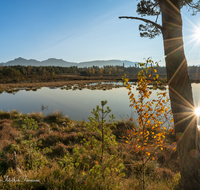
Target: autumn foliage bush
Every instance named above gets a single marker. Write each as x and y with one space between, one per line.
152 115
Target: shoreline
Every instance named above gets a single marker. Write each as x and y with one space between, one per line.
69 80
48 84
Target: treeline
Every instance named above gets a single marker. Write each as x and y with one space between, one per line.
14 71
23 71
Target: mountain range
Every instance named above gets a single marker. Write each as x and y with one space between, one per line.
62 63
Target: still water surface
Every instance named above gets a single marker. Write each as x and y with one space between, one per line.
77 104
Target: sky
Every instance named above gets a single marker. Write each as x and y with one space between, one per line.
84 30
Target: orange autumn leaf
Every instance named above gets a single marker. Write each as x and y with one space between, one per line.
143 148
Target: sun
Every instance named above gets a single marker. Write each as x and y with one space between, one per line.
197 111
197 33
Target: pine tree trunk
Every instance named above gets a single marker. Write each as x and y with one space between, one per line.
180 92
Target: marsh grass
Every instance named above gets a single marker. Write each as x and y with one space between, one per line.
62 139
13 88
37 85
55 117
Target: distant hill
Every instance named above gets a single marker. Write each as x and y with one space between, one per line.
102 63
33 62
62 63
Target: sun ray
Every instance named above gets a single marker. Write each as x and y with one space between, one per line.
172 42
173 6
195 45
190 109
175 72
195 37
196 139
188 103
189 21
172 24
172 39
185 113
185 118
175 50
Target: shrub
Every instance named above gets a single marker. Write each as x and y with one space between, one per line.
152 114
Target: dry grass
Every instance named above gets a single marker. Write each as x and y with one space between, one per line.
7 133
61 135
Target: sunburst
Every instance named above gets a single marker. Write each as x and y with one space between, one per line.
196 34
197 111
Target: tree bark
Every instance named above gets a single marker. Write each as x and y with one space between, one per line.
180 92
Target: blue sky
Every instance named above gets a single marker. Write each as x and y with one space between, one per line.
83 30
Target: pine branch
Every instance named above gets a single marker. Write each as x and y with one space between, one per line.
194 5
142 19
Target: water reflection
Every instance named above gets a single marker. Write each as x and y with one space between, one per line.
77 103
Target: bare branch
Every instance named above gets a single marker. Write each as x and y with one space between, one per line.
155 5
195 7
142 19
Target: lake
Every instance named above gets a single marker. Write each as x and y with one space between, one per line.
77 104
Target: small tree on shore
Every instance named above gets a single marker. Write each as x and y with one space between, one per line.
97 159
152 115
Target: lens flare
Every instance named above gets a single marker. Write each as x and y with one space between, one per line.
197 111
197 34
